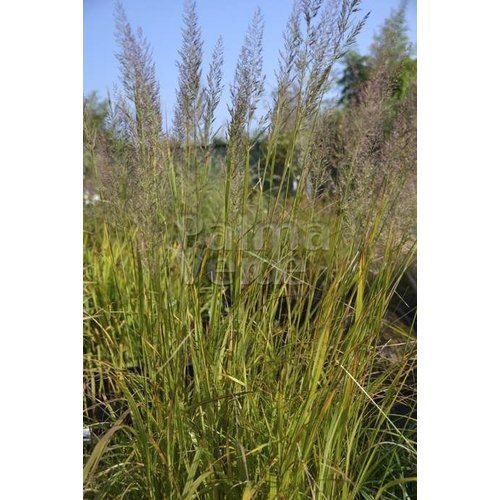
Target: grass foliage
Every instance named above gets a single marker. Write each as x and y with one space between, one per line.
238 342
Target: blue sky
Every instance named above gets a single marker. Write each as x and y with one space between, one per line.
161 21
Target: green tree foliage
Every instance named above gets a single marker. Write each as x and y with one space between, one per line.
95 112
95 130
391 45
390 59
392 56
354 77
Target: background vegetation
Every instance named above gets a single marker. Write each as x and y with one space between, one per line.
249 300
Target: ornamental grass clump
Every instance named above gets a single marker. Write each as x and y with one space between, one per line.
241 341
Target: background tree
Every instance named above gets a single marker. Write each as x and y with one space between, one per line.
354 77
97 137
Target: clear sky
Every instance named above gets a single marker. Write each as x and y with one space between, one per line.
161 21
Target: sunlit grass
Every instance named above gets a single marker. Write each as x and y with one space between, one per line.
241 342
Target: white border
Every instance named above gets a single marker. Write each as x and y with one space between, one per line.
41 250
